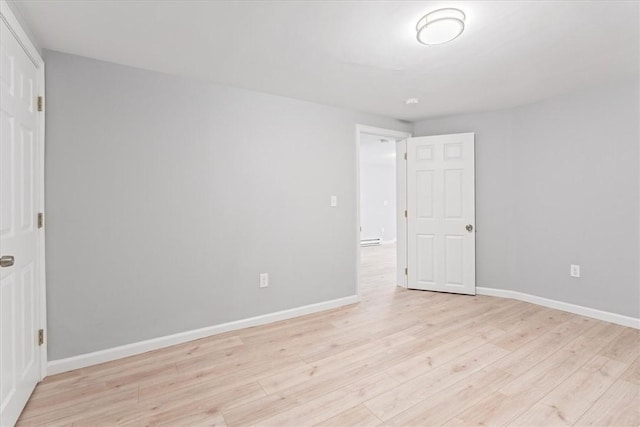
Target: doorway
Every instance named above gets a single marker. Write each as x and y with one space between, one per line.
381 189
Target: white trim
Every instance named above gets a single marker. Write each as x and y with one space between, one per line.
397 134
619 319
107 355
370 130
19 33
401 219
6 14
42 233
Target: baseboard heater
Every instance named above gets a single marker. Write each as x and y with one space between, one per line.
371 242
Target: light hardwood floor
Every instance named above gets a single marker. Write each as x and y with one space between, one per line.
398 358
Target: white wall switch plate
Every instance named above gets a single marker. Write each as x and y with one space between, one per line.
574 270
264 280
334 201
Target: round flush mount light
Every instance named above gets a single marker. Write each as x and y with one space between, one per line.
440 26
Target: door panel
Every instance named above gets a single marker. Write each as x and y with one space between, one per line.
452 192
453 258
441 203
19 286
424 194
426 249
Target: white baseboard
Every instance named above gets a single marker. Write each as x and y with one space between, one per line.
107 355
564 306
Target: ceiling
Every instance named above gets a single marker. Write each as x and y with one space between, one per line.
360 55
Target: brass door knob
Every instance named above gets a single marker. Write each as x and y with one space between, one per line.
7 261
469 228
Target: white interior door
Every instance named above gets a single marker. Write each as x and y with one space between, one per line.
441 213
19 201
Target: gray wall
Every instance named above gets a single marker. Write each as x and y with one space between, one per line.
166 197
558 184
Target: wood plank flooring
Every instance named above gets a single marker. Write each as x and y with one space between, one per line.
399 358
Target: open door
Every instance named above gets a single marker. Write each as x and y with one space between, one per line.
21 257
441 213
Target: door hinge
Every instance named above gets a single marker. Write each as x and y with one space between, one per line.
406 271
405 156
40 336
40 103
40 220
406 214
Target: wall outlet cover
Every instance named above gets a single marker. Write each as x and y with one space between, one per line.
574 270
264 280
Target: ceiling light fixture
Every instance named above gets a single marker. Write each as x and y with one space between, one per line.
440 26
411 101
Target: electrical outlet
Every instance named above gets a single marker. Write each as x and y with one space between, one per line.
574 270
264 280
334 201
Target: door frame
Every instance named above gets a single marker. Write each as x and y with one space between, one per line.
9 18
398 135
